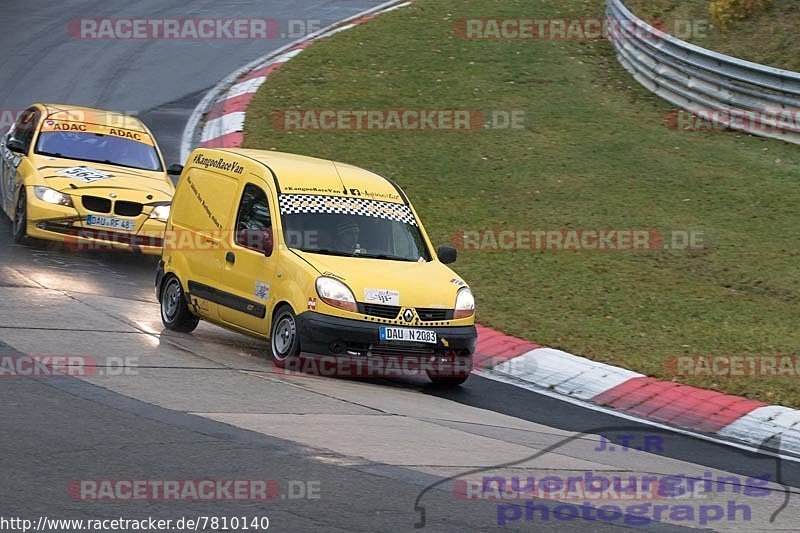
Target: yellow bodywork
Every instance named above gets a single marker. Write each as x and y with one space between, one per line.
200 236
139 189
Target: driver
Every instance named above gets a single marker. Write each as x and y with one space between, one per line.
346 239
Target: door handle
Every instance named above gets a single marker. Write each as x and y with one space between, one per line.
230 257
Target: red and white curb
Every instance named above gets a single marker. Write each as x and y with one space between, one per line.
702 413
699 412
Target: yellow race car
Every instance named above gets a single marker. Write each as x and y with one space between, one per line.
90 178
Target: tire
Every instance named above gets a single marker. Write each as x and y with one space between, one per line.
175 314
19 227
283 338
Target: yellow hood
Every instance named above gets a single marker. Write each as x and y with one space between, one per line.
134 182
418 284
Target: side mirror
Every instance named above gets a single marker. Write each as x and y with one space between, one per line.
447 254
175 170
15 145
258 240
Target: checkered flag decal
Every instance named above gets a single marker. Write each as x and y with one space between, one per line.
291 204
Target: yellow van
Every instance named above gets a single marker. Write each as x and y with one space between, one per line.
323 259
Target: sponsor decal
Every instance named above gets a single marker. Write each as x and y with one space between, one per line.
51 125
84 173
312 303
262 290
382 296
457 282
218 164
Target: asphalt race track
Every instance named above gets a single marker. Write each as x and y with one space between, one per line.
346 455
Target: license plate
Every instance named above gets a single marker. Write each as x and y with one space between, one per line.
110 222
408 335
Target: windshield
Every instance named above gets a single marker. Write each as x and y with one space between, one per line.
98 148
352 228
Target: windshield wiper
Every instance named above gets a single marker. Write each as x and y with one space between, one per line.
325 251
386 256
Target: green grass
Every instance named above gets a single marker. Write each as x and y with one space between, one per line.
769 37
595 155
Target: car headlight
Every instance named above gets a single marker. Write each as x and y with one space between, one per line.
465 303
160 212
46 194
335 293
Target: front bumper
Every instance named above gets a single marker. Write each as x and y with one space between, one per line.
329 335
66 224
342 347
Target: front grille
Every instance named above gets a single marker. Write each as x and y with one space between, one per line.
380 311
96 204
128 209
433 315
408 350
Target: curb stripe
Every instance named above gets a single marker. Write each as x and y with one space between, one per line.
229 105
765 424
249 86
265 71
564 373
219 127
689 407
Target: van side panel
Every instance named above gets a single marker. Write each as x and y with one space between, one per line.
197 235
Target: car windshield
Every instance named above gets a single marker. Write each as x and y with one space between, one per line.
99 148
352 228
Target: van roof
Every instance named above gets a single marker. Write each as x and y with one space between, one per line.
298 174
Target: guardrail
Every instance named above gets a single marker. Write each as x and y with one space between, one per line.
723 89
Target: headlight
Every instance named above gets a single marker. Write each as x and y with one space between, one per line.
335 293
46 194
160 212
465 303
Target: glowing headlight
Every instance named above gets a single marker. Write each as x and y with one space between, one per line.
465 303
160 212
46 194
335 293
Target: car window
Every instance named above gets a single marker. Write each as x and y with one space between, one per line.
25 127
253 221
99 148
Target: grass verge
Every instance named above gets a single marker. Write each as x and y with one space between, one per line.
595 154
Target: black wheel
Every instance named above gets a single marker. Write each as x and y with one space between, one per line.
283 338
19 229
175 314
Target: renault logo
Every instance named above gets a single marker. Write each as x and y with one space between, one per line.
408 315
